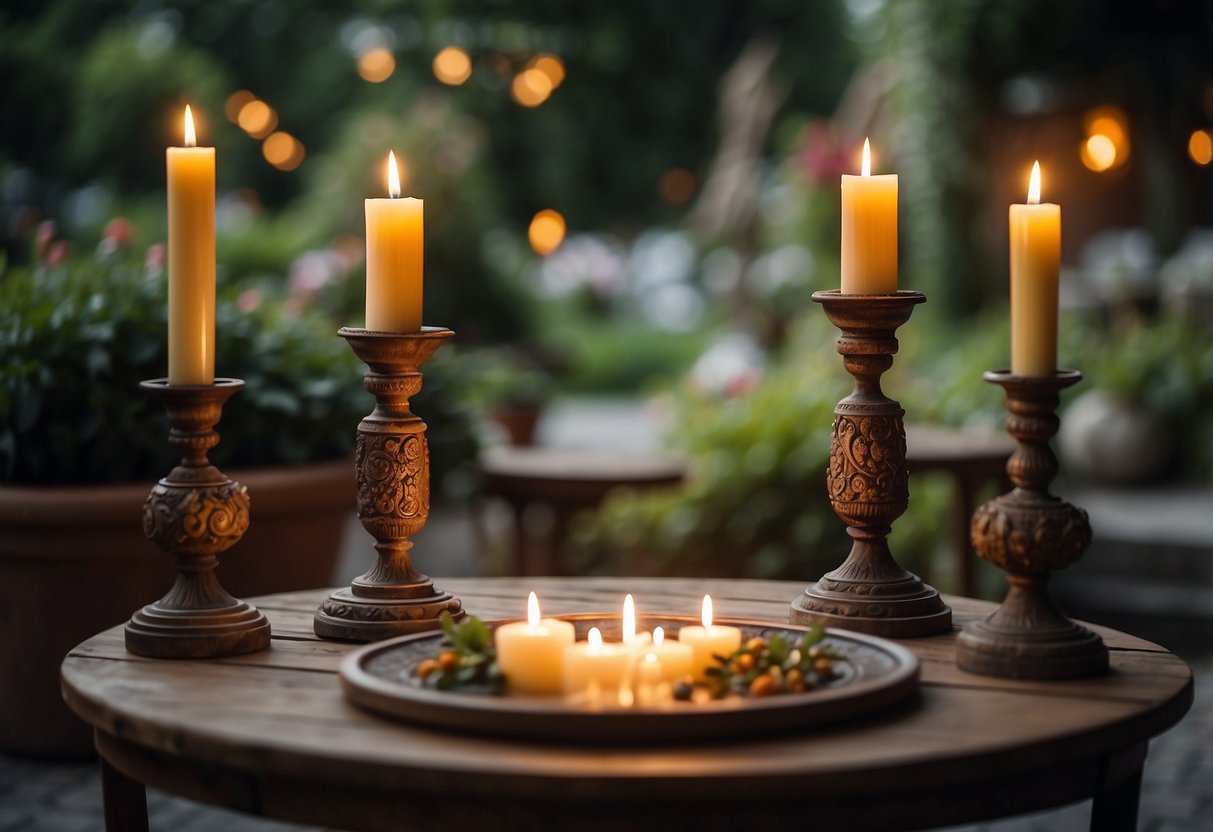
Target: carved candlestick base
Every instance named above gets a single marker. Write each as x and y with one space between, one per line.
1030 533
194 514
867 482
393 466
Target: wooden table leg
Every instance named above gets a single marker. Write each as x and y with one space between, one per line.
967 488
125 801
1114 808
521 539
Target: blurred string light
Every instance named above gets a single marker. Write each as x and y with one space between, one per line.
1200 147
258 119
546 232
549 65
530 88
376 65
283 151
452 66
676 186
1106 143
536 82
235 103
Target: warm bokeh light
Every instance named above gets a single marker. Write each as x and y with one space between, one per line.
393 176
1034 185
257 118
549 65
530 88
1106 145
452 66
1200 147
235 103
676 186
191 139
283 151
376 65
865 168
1099 152
546 232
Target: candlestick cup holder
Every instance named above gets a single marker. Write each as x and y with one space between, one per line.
193 514
1030 533
867 483
392 462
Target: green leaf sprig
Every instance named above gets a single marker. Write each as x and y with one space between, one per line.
765 667
466 660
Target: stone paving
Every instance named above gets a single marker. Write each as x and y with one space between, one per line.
1177 793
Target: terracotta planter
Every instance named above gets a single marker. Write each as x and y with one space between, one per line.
74 561
519 422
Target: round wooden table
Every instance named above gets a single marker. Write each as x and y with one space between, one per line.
272 734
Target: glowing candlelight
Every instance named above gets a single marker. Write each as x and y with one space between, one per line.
1035 272
191 259
394 258
869 230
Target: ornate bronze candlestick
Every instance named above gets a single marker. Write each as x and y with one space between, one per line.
393 465
1030 533
870 592
195 513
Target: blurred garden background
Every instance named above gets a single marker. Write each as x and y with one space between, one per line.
628 206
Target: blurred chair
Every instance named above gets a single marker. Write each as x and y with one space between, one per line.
972 458
564 481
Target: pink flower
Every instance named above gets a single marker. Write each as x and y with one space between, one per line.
44 237
119 232
249 300
821 157
154 262
740 385
57 253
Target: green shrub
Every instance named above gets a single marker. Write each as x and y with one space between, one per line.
755 503
79 336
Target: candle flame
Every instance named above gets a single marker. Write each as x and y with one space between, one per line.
629 619
532 610
190 138
866 167
707 611
595 639
658 636
1034 185
393 176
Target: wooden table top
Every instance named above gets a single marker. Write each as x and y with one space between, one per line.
272 733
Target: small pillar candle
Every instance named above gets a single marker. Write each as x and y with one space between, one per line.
191 260
869 231
531 653
709 641
591 664
676 658
394 260
1035 269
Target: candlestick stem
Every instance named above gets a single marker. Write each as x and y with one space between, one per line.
867 483
195 513
1029 532
392 460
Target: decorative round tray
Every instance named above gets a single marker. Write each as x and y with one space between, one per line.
380 678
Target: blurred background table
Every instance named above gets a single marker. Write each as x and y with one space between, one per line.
565 481
973 459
